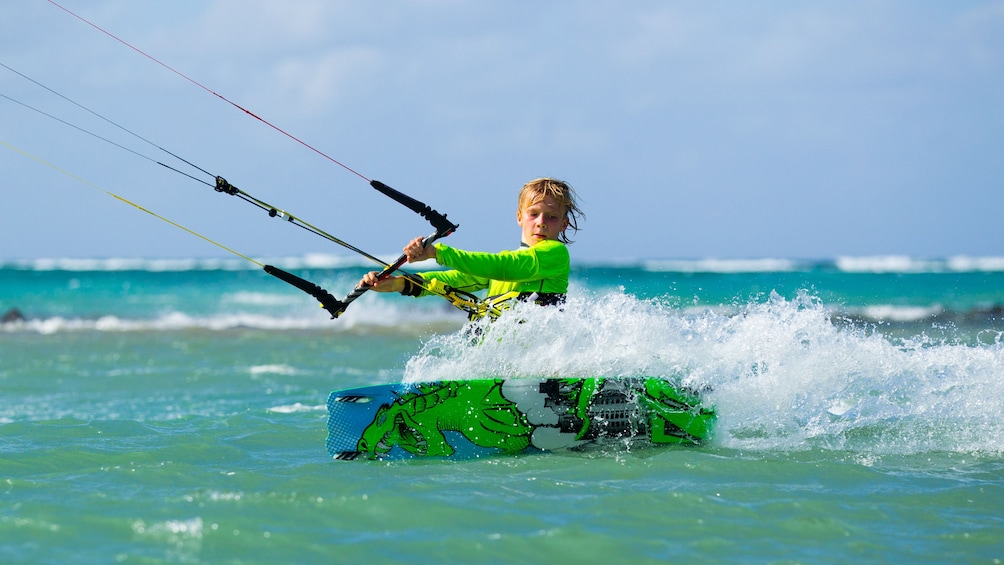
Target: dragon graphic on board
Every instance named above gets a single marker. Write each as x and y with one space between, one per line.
417 420
513 414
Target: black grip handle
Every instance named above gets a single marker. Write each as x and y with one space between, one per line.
334 306
443 226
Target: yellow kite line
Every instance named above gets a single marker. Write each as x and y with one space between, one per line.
121 199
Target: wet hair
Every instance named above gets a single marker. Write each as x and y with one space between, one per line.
537 189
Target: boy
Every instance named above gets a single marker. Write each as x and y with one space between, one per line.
547 208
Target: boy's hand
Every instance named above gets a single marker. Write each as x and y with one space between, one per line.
389 284
417 252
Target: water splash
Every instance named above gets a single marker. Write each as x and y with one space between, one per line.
783 374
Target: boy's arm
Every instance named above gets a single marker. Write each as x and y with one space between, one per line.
453 278
544 260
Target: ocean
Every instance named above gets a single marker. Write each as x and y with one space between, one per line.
173 411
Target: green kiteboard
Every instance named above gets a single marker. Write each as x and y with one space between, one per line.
486 417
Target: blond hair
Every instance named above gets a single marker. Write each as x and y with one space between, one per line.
535 190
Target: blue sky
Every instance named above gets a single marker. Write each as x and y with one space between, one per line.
689 129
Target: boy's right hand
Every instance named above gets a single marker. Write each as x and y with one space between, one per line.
389 284
415 252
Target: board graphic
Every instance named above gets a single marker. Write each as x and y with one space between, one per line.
486 417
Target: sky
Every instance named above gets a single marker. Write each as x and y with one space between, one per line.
775 129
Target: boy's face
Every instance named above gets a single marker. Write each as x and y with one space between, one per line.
542 220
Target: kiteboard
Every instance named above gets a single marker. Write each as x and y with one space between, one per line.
466 419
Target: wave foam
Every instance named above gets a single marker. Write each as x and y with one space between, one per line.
284 370
298 407
852 264
892 264
726 266
307 261
365 315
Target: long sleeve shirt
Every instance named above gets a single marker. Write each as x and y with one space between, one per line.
542 268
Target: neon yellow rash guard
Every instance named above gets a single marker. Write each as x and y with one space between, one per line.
542 268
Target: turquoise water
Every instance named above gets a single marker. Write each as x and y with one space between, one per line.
173 412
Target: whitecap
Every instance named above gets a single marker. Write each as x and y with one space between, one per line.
273 370
298 407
